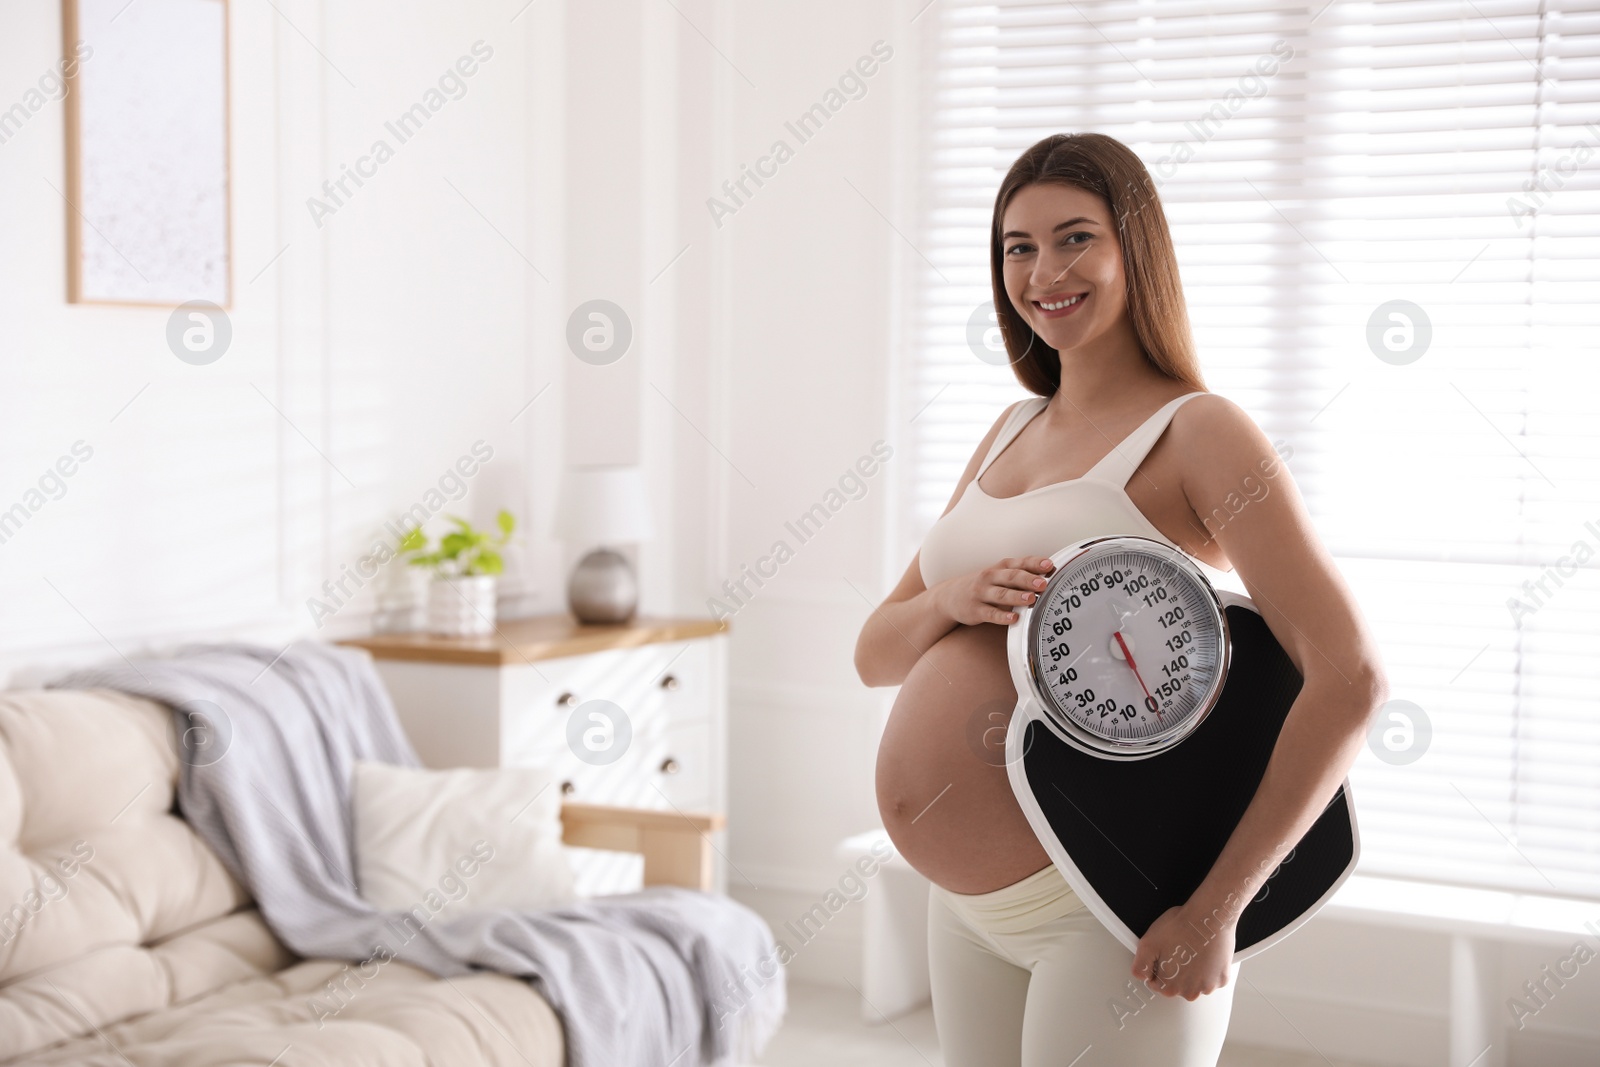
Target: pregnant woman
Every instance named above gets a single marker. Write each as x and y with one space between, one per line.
1119 437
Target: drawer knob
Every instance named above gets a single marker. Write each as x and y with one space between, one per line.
566 700
669 766
567 788
669 682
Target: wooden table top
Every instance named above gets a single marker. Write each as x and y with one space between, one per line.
538 637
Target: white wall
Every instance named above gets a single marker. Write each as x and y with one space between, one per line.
808 310
371 351
404 328
762 373
1376 994
804 318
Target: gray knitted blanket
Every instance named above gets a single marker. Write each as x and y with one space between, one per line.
660 976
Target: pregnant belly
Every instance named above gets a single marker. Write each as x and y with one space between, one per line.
941 777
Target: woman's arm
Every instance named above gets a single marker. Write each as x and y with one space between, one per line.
899 631
1304 600
909 620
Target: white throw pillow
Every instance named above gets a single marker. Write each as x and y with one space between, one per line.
459 840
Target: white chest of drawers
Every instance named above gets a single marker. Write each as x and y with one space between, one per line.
531 695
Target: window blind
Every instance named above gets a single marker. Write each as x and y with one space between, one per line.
1319 163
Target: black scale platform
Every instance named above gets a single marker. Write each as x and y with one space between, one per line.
1144 833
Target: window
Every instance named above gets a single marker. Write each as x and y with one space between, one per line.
1388 221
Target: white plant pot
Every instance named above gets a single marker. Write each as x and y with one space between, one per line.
401 600
461 607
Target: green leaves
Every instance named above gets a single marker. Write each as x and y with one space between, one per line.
414 540
453 544
463 552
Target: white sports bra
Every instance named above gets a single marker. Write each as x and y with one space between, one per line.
980 530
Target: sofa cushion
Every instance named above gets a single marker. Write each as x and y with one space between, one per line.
459 839
124 940
402 1017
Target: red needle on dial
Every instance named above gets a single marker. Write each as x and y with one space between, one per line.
1134 667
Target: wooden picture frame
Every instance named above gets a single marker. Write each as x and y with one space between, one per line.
148 150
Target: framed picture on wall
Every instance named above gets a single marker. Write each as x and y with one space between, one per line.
148 197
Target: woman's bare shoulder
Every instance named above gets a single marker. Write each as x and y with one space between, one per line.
1216 425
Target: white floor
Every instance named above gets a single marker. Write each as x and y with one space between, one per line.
824 1025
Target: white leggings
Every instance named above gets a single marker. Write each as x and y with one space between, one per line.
1026 976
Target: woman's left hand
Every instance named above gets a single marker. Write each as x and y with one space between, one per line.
1185 955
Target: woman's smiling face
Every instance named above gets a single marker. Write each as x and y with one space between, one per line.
1063 264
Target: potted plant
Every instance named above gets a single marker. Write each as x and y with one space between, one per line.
461 597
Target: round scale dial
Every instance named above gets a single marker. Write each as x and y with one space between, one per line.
1127 646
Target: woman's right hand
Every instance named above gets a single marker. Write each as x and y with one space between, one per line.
992 594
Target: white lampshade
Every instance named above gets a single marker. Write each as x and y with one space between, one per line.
603 506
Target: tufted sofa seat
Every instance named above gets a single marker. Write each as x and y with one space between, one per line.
123 940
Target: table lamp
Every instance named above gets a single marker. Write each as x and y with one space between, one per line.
603 506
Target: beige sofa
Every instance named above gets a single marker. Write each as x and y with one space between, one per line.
124 941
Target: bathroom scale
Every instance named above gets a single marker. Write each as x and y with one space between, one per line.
1148 706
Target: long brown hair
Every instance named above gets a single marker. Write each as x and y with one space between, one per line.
1108 168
